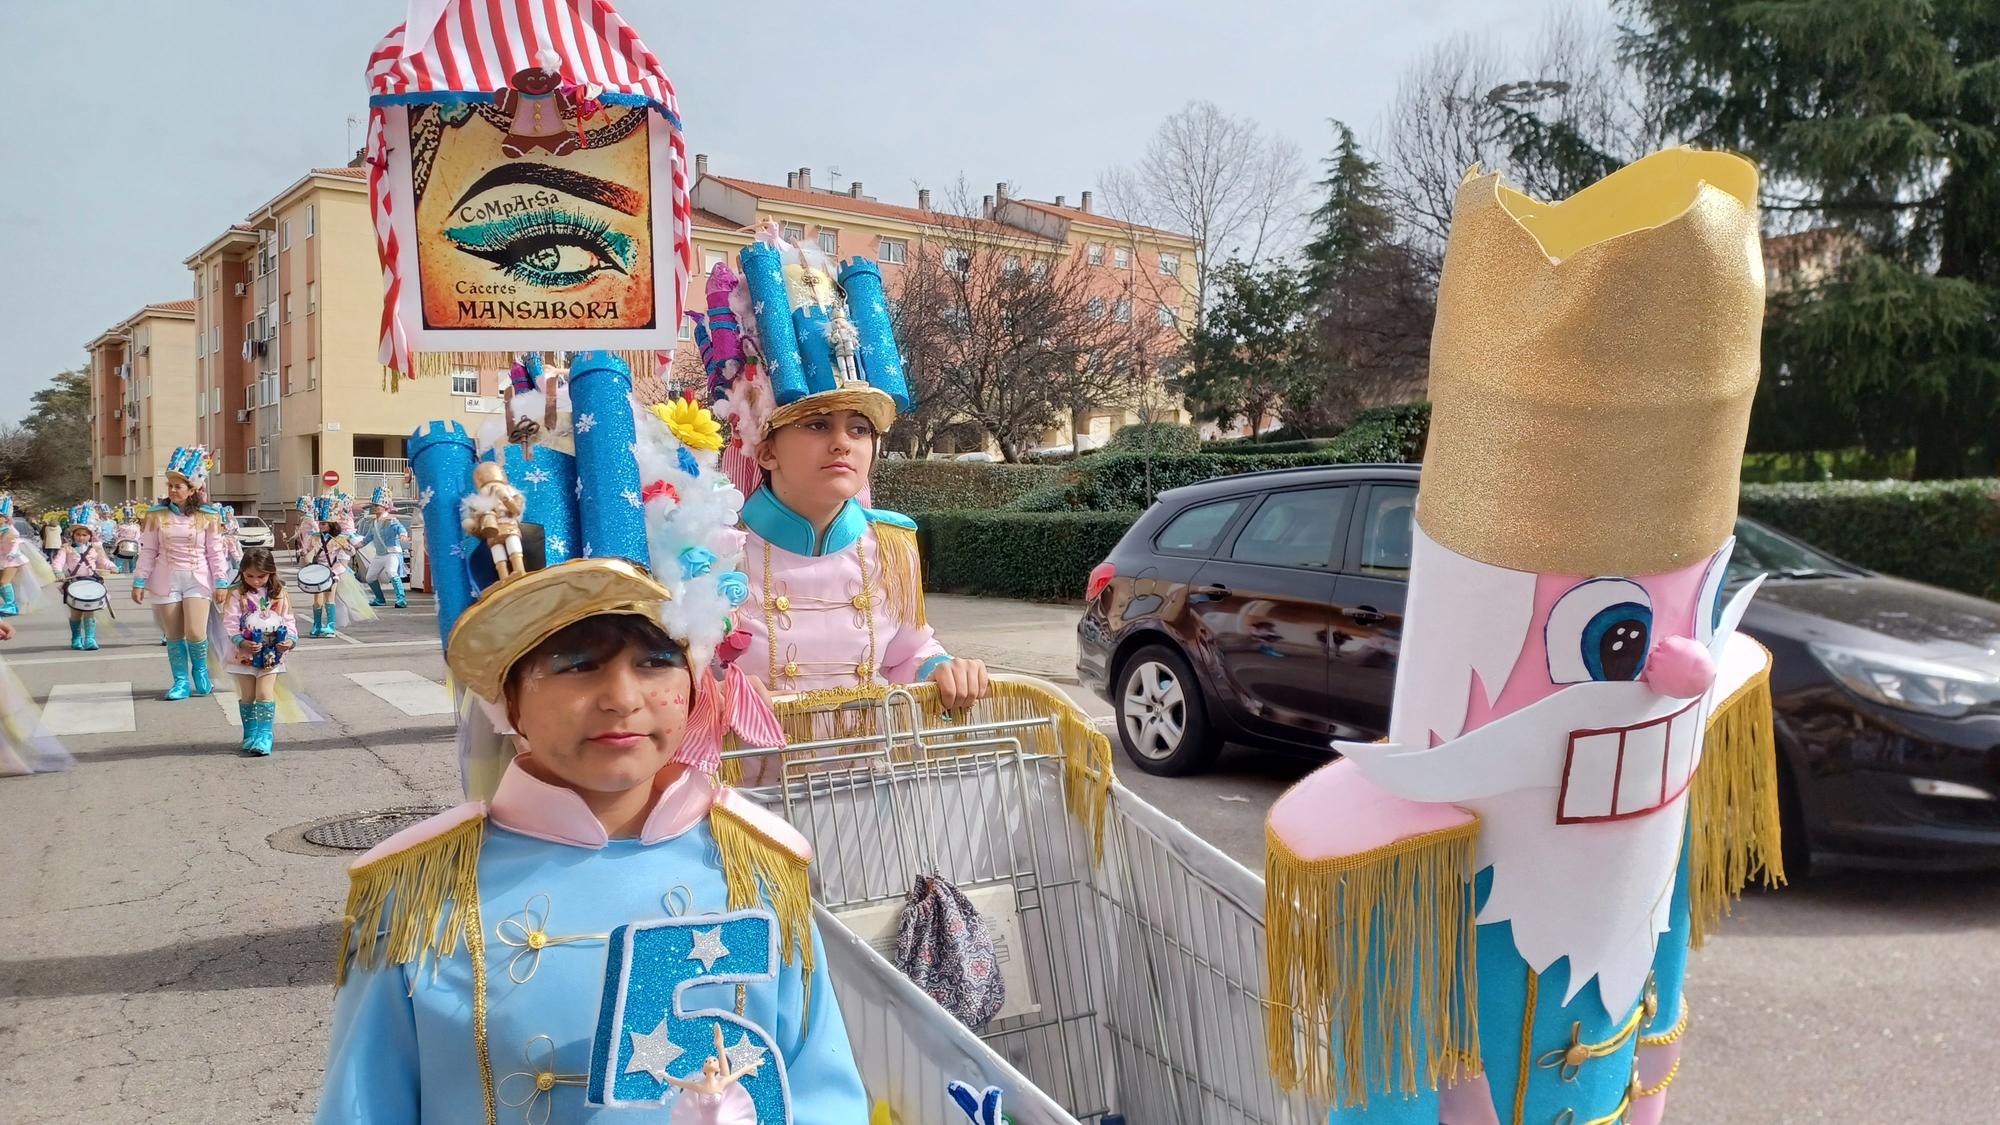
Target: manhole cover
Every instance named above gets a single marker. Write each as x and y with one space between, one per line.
357 832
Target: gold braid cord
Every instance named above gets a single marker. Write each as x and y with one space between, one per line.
750 859
1084 749
1733 806
1371 967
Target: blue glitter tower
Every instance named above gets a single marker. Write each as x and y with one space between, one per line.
868 311
611 511
441 459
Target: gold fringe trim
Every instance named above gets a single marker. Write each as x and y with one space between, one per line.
750 858
1733 807
902 573
413 905
1371 966
849 713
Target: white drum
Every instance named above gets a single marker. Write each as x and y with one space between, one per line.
315 578
126 549
85 595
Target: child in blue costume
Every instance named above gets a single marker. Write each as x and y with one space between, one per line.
572 946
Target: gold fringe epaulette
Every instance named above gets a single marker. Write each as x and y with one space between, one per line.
750 859
1733 818
415 904
1372 966
902 572
1084 749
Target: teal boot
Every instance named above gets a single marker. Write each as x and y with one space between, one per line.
402 601
331 630
265 716
198 666
177 659
7 606
76 633
90 633
246 712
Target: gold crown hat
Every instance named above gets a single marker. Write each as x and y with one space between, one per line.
1592 368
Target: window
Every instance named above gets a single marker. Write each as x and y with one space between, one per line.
687 329
892 251
465 380
264 459
1012 264
285 235
200 403
312 296
1095 308
1040 270
200 344
1293 529
711 259
289 388
1170 264
309 220
794 231
829 242
1122 311
288 309
215 338
1167 317
215 400
312 373
1386 530
1197 530
214 279
1121 258
958 261
250 458
250 397
1094 254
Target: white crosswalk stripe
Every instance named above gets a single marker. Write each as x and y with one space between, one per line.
101 708
303 713
407 691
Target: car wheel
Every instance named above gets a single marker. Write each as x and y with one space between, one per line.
1161 721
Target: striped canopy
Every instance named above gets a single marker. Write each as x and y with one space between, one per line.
456 50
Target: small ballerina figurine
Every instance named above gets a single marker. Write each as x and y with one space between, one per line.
714 1098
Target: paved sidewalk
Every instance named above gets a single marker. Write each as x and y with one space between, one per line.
1037 638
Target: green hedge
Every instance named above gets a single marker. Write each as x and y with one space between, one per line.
1946 533
1155 437
931 486
1039 556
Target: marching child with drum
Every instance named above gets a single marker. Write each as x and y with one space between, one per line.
326 566
258 629
13 559
81 566
180 566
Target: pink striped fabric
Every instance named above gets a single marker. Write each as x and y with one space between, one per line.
475 46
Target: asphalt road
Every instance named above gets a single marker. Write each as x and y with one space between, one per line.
166 940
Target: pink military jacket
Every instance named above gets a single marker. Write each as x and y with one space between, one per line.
833 611
170 540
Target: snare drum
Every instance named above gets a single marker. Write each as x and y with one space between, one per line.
315 578
126 549
85 595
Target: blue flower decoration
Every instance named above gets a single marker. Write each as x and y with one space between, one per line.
735 586
696 561
688 464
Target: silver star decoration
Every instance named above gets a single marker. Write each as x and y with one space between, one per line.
757 308
632 498
744 1053
424 498
537 476
558 544
708 948
457 551
653 1052
589 551
585 423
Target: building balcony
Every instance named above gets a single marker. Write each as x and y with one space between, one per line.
111 465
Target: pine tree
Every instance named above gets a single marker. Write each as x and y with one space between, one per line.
1354 222
1879 119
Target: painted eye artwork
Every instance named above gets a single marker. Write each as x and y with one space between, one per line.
1601 630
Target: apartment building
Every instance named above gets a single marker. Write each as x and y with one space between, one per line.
141 400
1147 275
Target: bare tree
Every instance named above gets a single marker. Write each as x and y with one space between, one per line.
1238 191
1006 330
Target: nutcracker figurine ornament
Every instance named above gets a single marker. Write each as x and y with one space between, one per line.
1486 917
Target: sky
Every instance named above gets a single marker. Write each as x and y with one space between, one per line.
145 127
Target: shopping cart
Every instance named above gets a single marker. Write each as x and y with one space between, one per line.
1133 952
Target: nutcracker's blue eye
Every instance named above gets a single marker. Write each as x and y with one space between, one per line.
1600 630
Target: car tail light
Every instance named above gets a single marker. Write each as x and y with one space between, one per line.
1100 577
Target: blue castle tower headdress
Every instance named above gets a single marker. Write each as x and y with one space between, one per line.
638 520
380 498
190 463
84 516
325 508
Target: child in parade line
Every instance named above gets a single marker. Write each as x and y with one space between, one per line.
331 548
125 539
180 567
52 536
258 629
383 532
82 557
232 543
304 532
16 566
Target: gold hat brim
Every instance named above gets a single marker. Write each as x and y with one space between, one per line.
511 618
874 405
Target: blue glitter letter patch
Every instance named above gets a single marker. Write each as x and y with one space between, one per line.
645 1036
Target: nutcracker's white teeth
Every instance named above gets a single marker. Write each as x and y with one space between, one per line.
1620 772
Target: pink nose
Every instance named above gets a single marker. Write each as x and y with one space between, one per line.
1680 668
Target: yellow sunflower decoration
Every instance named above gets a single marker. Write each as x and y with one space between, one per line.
691 423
